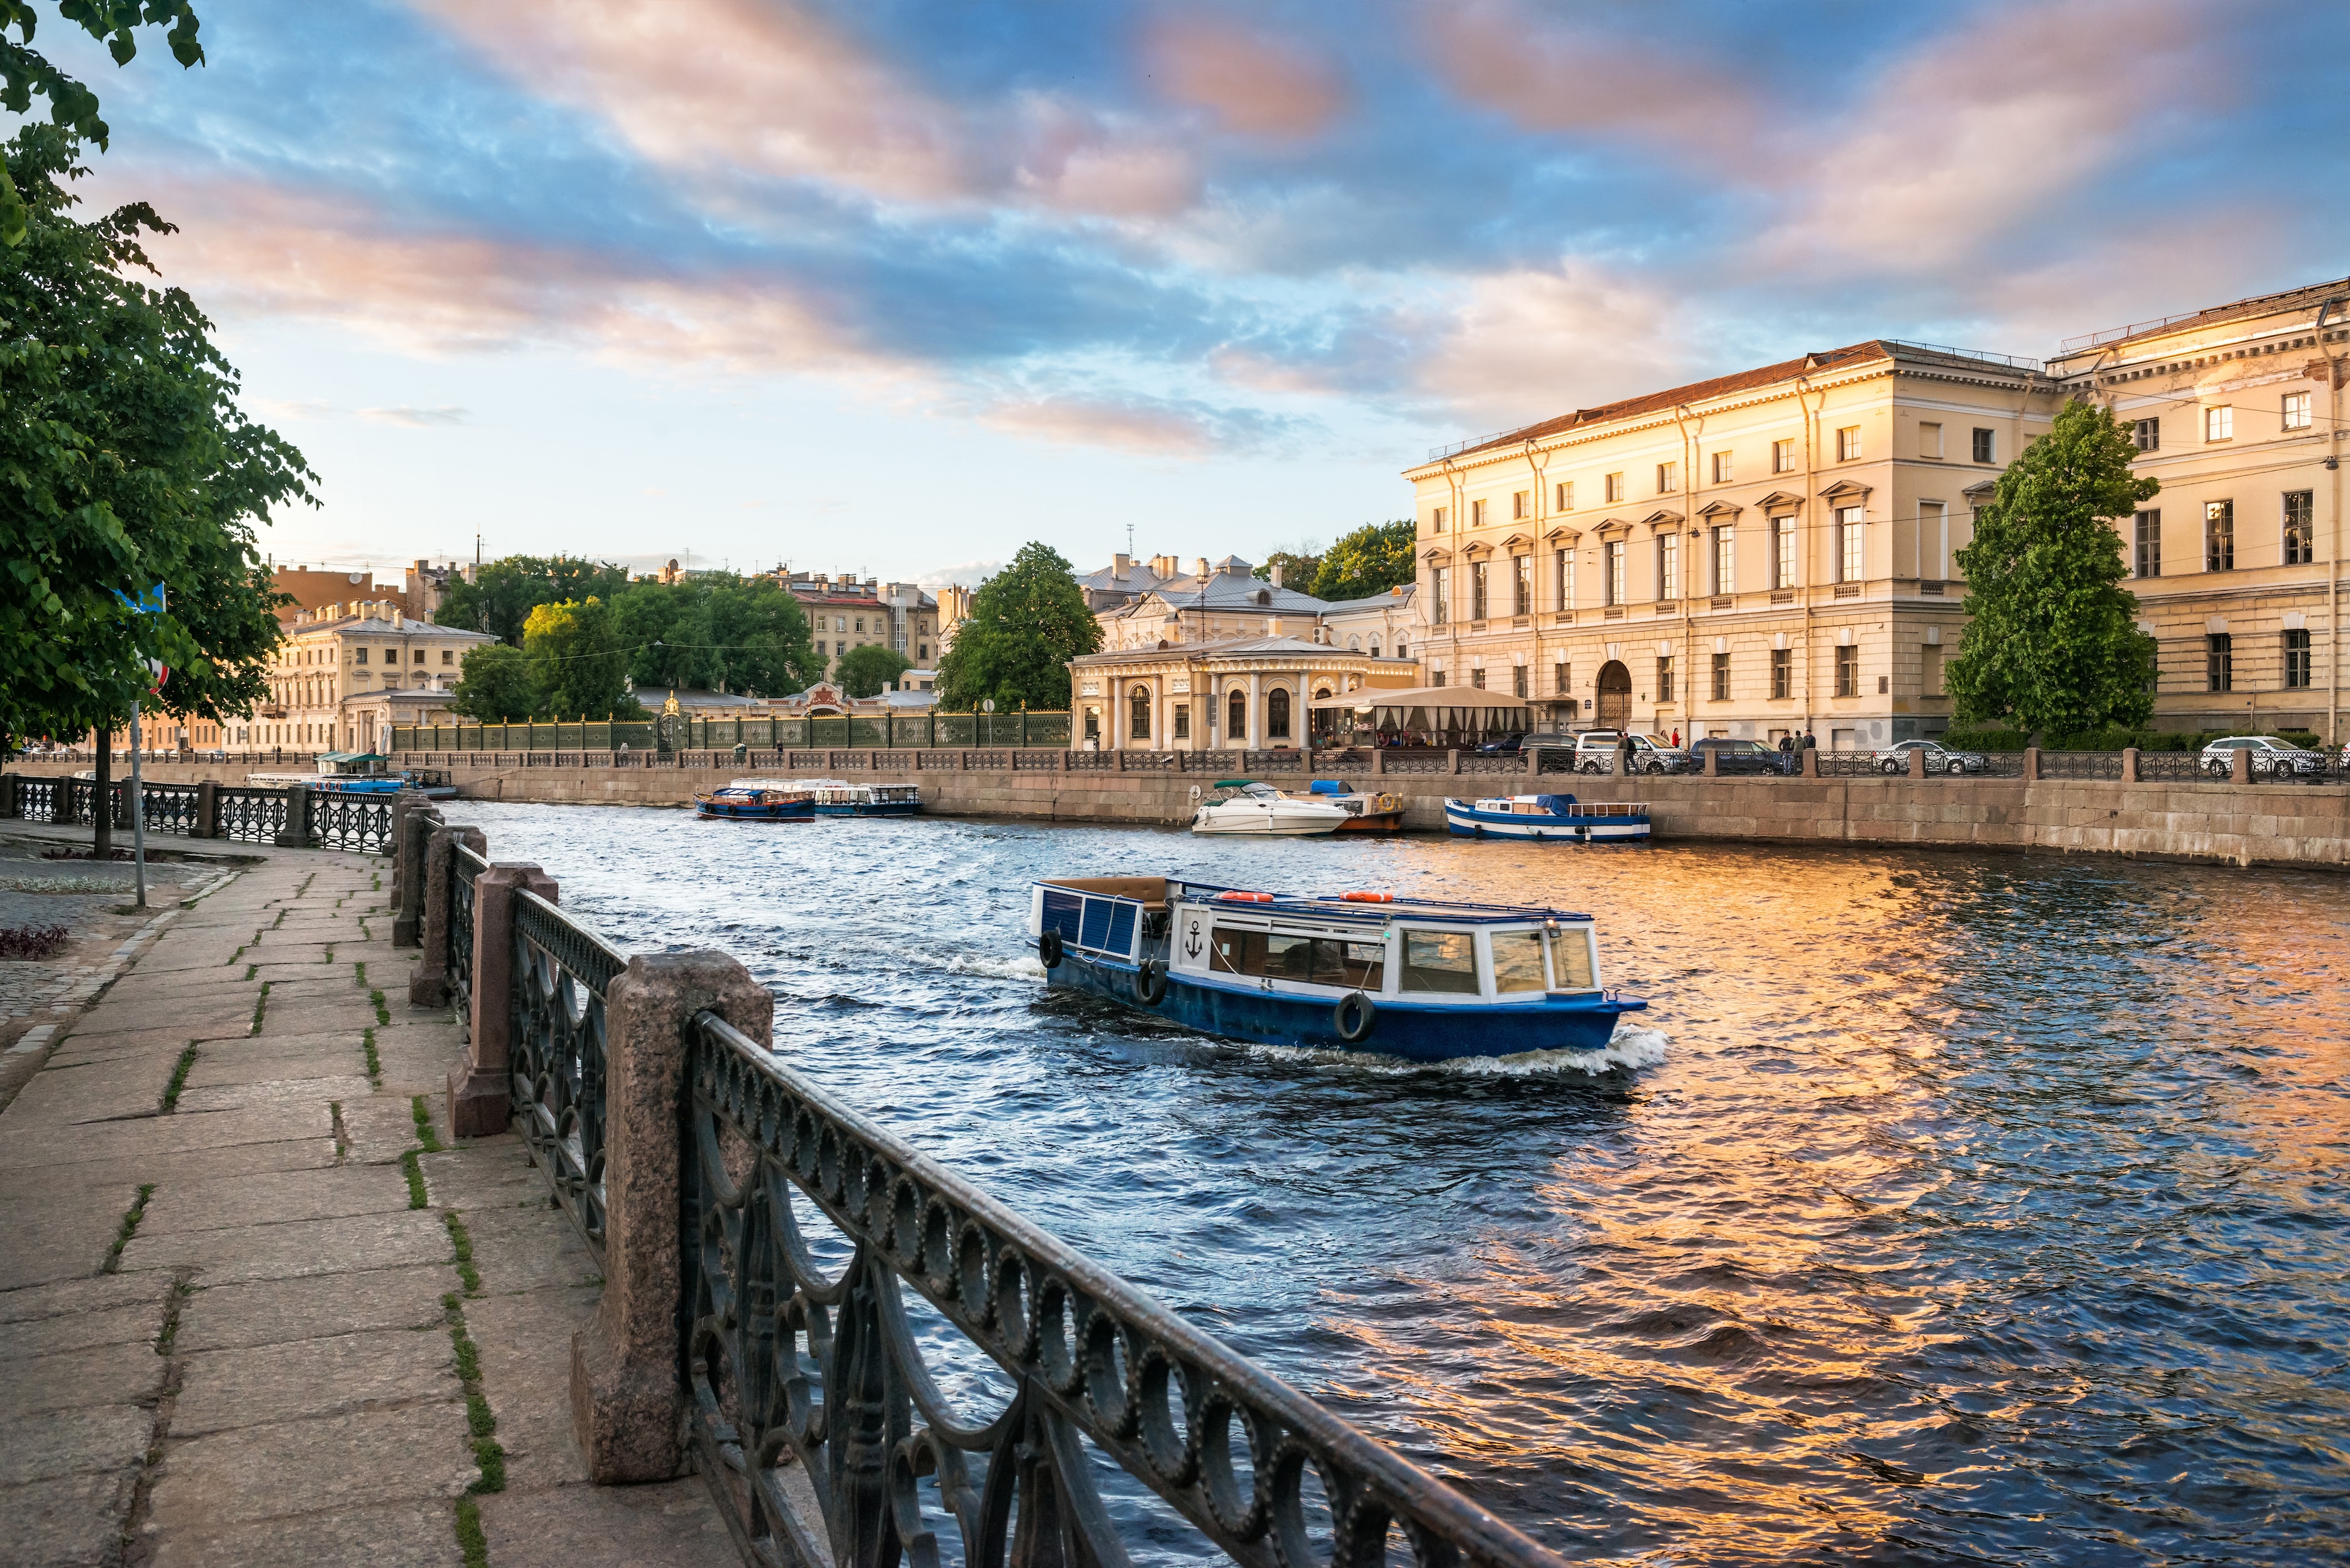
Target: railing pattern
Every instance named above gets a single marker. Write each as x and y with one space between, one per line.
254 815
2169 767
560 972
1854 764
795 1370
169 808
38 799
2081 766
464 866
351 821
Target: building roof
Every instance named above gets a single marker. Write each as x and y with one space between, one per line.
652 697
2309 296
386 627
1225 647
1374 601
1224 591
1847 357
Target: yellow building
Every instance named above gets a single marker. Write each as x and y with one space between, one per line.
1215 694
1753 556
2238 412
344 672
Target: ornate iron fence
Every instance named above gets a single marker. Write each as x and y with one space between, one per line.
1506 763
256 816
1853 764
168 808
37 800
2081 766
464 866
2001 766
795 1370
1280 762
1402 761
560 972
361 822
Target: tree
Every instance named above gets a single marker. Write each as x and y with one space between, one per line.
2052 644
578 667
869 670
753 639
73 107
496 687
1298 568
503 594
1026 623
1369 560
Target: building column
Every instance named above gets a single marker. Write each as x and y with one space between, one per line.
1162 738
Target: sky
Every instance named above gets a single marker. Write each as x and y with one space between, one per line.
895 288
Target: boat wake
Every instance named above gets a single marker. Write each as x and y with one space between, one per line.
1024 967
1632 1048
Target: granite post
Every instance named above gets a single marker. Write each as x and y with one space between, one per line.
1916 761
2129 765
1811 762
627 1399
478 1085
412 819
295 834
207 822
2032 764
429 985
1713 761
2240 765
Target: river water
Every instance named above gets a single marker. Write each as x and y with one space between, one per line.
1945 1208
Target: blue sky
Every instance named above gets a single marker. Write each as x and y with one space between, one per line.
894 288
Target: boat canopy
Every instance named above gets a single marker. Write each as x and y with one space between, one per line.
1365 698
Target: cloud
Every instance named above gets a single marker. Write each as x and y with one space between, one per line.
961 575
1165 427
416 419
1250 81
287 411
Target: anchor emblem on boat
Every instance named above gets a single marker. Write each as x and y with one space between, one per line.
1192 941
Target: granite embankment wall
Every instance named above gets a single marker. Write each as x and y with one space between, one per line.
2242 825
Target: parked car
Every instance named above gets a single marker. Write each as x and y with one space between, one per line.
1939 759
1508 745
1593 749
2271 758
1595 753
1741 756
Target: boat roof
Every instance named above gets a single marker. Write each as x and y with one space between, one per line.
1328 907
765 783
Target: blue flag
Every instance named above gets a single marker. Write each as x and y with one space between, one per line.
148 603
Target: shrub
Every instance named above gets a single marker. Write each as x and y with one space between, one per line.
31 942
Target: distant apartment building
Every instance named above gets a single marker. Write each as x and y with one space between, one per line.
844 613
2238 410
1145 604
346 672
314 589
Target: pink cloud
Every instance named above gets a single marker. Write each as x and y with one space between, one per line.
1078 421
1252 82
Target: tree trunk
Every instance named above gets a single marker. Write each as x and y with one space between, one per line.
102 810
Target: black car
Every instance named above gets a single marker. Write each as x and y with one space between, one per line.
1743 756
1508 745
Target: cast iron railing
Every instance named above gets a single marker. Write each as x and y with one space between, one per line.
463 867
169 808
38 799
361 822
2081 766
560 973
810 1388
1852 764
256 816
2171 767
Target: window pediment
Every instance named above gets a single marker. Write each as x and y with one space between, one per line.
1845 490
1562 536
1780 501
1515 540
1478 549
1613 527
1718 511
1436 554
1661 520
1977 494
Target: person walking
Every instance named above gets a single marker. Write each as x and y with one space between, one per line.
1787 753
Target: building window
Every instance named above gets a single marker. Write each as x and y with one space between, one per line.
2296 410
2296 660
2218 663
1668 478
1236 725
2146 559
420 656
1276 715
838 648
1850 557
1138 704
1182 721
1615 487
1435 521
1782 457
1522 585
922 650
1665 679
1564 575
2218 541
2299 536
1782 552
1669 567
1617 592
1476 515
1982 446
1562 679
1093 724
1725 561
1478 580
448 656
1518 681
1722 678
2219 423
1566 493
1721 468
1848 670
1477 678
359 655
1440 580
1519 503
1401 649
2147 433
1848 443
1930 439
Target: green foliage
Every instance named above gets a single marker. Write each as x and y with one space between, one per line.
2053 643
496 687
1298 569
1026 623
503 593
869 670
733 634
1369 560
26 75
578 666
124 461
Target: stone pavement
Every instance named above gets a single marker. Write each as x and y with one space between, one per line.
251 1311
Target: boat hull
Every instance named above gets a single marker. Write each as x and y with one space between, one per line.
1374 822
887 808
1467 821
723 811
1302 820
1414 1033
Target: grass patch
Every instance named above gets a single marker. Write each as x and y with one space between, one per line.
470 1539
280 920
415 1174
261 1004
382 1013
251 969
179 1077
489 1456
421 1110
131 1218
342 1134
463 1242
180 1294
375 1063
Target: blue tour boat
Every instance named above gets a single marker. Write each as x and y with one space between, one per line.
758 800
1548 819
1353 971
838 797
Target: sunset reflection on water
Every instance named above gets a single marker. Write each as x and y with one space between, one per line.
1980 1207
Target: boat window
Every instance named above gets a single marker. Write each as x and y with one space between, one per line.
1570 958
1237 952
1439 960
1518 961
1312 960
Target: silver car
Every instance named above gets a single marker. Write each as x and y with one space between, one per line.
1939 759
2270 758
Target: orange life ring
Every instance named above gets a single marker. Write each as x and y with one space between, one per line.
1369 897
1245 897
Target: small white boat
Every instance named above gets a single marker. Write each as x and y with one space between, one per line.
1245 806
1549 819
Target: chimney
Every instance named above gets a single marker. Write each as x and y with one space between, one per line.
1120 565
1273 626
1275 571
1203 567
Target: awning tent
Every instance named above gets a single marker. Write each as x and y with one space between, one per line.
1448 711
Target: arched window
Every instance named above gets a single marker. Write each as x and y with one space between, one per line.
1140 728
1400 653
1276 715
1374 647
1354 641
1236 731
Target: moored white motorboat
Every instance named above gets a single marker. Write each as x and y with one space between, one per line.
1246 806
1549 819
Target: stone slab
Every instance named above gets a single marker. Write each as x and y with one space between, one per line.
668 1524
90 1440
324 1466
244 1062
519 1338
74 1298
178 1164
67 1522
66 1235
488 1173
311 1017
350 1245
380 1128
275 1198
97 1374
222 1389
129 1141
287 1094
401 1536
272 1312
528 1249
135 1327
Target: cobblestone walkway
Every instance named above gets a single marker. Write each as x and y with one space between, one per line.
252 1310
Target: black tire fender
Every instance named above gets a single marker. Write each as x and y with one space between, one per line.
1150 983
1048 949
1354 1018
